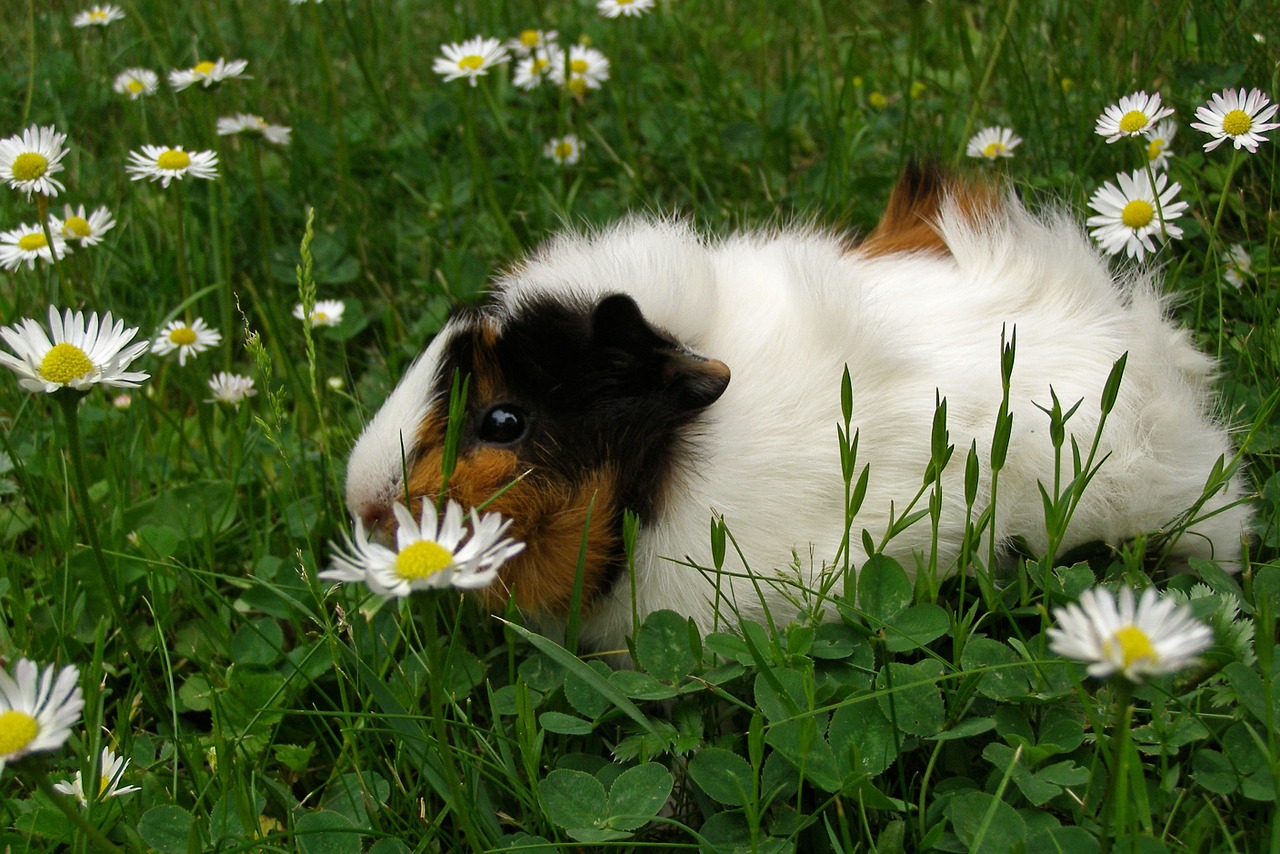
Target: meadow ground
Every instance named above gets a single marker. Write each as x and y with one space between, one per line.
165 540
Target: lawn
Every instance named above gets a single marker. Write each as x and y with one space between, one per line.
297 195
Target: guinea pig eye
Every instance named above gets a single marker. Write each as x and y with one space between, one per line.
503 424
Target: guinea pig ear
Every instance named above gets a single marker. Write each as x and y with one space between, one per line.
691 381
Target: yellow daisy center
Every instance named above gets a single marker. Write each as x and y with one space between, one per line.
578 66
33 242
422 560
539 65
577 86
17 730
134 85
1236 122
993 150
97 15
319 318
171 159
105 781
29 166
204 69
1154 149
624 2
63 363
1134 644
564 150
471 63
1137 213
529 38
76 226
182 336
1133 121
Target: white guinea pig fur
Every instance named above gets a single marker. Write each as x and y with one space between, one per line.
647 367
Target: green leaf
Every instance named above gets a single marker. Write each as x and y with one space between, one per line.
915 704
166 828
563 724
1213 771
966 728
257 642
884 591
915 627
1002 677
862 739
586 700
638 795
986 824
576 801
800 741
724 776
326 832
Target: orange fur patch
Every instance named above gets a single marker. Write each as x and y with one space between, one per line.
547 515
909 220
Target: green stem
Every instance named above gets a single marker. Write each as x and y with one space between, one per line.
181 231
69 400
1118 786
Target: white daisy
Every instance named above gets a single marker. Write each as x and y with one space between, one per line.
249 123
1236 115
533 69
326 312
158 163
77 355
98 16
1158 139
1129 216
581 68
429 554
111 770
29 161
207 73
230 389
29 243
1238 264
993 143
37 709
617 8
532 40
1134 115
470 59
136 82
1157 636
85 229
564 150
188 339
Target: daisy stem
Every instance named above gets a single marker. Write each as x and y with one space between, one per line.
1118 786
70 401
1213 231
73 815
54 280
180 216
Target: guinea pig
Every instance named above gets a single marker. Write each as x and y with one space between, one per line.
647 367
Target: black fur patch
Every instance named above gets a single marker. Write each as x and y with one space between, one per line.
602 390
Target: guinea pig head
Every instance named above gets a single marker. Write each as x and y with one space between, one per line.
575 410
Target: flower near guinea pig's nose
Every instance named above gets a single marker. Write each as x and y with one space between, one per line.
431 553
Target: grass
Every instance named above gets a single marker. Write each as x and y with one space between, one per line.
175 564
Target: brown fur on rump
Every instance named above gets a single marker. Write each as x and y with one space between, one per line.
908 223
